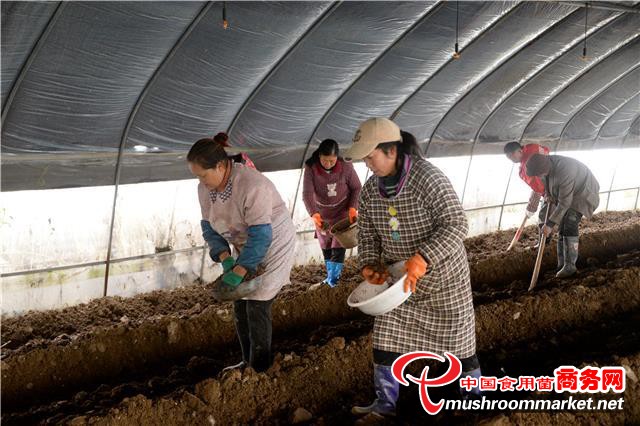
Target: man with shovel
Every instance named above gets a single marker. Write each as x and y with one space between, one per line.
574 191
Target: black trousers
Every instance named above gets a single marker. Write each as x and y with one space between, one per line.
569 224
253 325
334 254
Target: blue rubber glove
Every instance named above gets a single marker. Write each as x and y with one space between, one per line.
217 244
228 263
232 279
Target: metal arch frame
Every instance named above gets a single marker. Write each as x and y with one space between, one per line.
613 112
541 70
30 58
314 26
591 99
613 176
637 95
506 191
419 88
624 140
626 134
451 59
604 5
333 105
125 133
534 75
595 30
475 139
503 63
580 75
434 9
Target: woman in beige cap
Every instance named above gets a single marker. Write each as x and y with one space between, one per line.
409 212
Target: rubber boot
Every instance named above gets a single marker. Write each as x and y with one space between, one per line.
570 257
336 271
560 247
387 392
474 393
329 266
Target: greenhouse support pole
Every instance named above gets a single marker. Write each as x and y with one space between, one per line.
621 147
204 257
504 199
466 178
613 178
125 133
295 198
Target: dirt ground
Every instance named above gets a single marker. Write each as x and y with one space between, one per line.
69 323
157 357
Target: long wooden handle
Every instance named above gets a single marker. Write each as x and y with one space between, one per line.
543 240
536 269
518 233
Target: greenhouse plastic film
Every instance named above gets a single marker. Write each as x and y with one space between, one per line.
463 122
22 25
204 84
417 56
81 86
585 124
550 120
327 60
153 77
618 124
509 121
508 34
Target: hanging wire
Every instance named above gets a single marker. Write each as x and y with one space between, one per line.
586 17
456 54
225 23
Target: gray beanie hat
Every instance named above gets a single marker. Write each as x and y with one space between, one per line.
538 165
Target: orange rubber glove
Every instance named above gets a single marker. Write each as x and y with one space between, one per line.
353 214
317 219
416 268
374 277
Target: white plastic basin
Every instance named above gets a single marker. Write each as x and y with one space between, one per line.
373 299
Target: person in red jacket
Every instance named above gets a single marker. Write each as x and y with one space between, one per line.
521 154
330 191
242 158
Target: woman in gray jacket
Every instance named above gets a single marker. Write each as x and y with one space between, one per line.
573 191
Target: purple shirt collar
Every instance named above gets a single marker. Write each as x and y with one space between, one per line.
406 165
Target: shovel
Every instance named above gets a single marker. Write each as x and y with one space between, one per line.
518 234
224 293
541 244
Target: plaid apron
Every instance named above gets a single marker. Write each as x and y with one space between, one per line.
425 217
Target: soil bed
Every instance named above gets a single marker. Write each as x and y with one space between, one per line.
157 357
